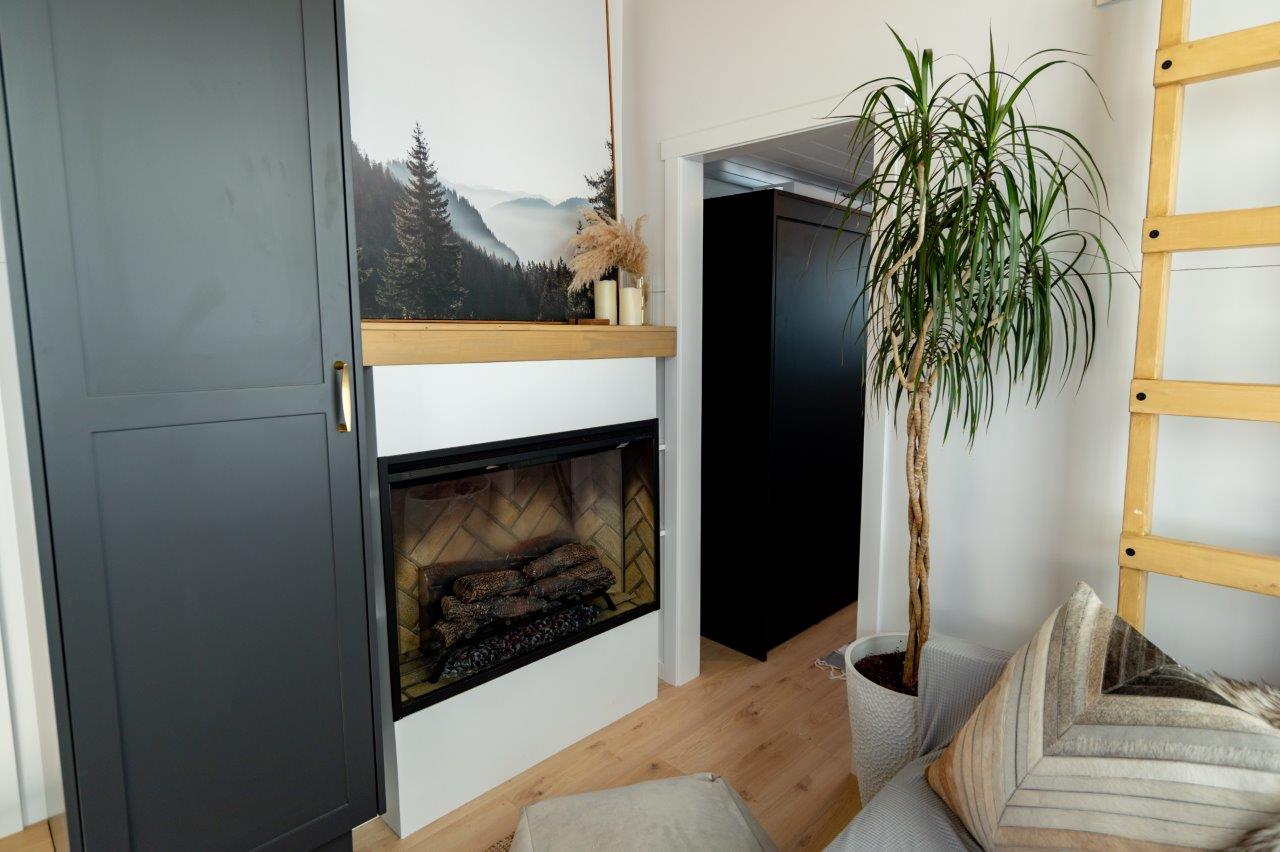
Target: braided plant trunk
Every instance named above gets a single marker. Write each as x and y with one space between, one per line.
918 420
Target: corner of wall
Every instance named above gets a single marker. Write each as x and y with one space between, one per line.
681 415
871 568
27 678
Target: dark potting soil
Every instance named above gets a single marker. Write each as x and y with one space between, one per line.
885 670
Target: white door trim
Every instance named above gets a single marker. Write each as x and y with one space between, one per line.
683 157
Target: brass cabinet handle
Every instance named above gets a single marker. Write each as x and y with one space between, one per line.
344 395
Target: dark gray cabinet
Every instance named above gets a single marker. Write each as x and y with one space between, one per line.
782 417
178 216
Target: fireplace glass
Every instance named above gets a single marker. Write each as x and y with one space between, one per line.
503 553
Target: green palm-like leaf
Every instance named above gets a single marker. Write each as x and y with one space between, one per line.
1001 287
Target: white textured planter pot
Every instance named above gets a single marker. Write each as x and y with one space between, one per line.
883 723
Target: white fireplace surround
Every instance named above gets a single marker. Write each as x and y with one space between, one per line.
444 755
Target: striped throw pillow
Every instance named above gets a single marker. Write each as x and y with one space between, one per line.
1093 738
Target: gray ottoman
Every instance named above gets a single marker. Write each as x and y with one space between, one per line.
697 813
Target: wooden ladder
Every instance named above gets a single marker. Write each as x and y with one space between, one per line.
1180 63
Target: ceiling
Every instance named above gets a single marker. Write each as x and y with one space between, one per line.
820 158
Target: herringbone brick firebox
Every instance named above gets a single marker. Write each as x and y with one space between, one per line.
503 553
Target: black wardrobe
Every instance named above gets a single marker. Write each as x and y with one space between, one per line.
782 416
176 210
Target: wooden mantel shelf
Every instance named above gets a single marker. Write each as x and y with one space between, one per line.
390 342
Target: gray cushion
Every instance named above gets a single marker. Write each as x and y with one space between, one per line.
906 814
699 813
954 678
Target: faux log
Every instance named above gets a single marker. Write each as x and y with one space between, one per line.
448 633
475 587
578 580
490 609
533 634
433 580
558 560
442 574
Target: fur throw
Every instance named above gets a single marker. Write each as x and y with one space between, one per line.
1257 699
1265 839
1261 700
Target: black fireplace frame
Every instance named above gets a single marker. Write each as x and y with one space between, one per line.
481 458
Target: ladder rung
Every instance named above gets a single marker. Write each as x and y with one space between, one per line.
1236 569
1259 226
1220 56
1206 399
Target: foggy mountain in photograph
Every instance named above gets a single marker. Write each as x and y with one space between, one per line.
484 197
425 250
536 229
469 186
470 225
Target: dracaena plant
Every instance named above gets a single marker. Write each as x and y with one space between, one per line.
984 252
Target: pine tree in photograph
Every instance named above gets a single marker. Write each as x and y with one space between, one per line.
603 199
391 293
376 192
580 301
423 276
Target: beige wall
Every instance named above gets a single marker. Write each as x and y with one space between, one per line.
1036 504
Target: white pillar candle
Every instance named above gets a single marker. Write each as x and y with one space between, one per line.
631 306
607 301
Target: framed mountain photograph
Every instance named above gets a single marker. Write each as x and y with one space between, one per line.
480 130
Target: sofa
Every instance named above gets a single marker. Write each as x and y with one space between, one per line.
906 814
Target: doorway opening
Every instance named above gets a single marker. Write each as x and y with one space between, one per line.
781 382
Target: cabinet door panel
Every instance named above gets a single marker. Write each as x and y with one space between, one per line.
181 210
816 451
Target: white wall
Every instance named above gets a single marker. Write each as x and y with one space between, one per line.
1036 505
30 777
563 697
438 406
10 791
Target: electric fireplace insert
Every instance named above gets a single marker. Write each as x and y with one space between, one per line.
499 554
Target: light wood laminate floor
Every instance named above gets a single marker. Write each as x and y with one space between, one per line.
777 731
34 838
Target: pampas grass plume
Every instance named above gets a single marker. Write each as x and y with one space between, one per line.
603 244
